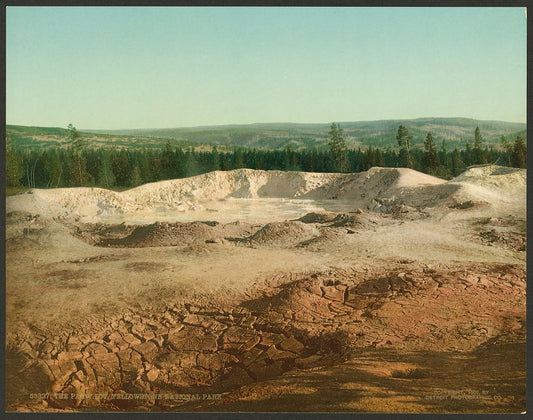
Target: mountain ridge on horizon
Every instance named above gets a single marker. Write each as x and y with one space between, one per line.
456 131
291 123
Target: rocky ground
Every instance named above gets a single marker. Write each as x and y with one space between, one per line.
413 301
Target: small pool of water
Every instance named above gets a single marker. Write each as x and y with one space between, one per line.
252 210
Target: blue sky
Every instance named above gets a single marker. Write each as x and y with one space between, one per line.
145 67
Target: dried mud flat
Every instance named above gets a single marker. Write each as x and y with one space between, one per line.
408 297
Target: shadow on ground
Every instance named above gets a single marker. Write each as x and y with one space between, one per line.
491 379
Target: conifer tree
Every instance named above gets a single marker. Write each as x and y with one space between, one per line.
478 150
337 147
14 168
136 177
430 161
77 168
519 153
404 142
53 168
145 167
120 164
106 177
191 163
167 162
215 158
458 165
508 151
238 158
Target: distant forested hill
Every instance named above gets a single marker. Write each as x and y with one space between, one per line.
457 132
19 136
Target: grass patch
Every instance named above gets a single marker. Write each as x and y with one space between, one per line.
15 190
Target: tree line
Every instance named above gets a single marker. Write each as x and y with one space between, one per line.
79 165
441 164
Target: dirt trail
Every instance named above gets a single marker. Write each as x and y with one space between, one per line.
330 311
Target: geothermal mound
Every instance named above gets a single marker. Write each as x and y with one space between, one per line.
164 234
355 220
379 190
282 234
159 234
318 217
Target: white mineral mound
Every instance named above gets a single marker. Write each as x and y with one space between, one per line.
496 184
492 184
